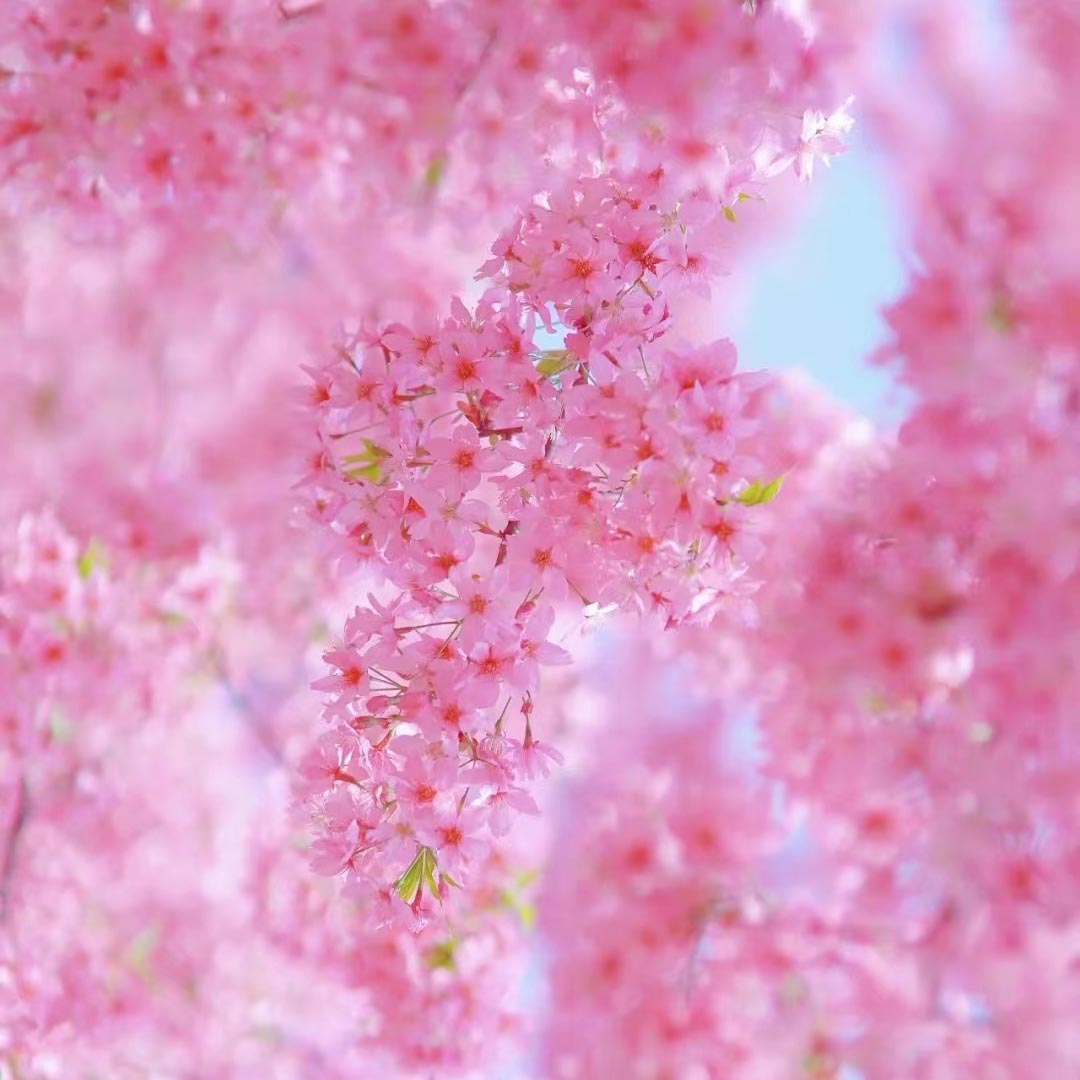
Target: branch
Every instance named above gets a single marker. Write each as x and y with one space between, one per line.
19 816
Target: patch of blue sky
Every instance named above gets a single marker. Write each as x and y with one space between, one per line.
815 297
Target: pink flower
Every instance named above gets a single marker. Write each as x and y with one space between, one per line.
453 835
536 757
505 801
481 606
535 649
456 461
351 681
329 762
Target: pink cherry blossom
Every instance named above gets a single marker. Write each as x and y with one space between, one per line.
401 603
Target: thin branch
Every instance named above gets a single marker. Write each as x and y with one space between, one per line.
7 864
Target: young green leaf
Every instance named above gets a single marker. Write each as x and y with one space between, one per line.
420 872
555 361
758 492
91 558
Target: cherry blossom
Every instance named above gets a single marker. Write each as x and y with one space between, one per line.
674 722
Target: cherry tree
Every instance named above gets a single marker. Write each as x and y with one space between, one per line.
425 652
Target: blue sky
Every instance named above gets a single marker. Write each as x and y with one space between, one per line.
814 297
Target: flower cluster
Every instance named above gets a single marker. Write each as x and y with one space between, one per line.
653 892
490 480
553 447
240 108
912 687
236 108
156 609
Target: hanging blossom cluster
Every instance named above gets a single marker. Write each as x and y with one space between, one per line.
493 480
910 910
944 574
540 452
153 628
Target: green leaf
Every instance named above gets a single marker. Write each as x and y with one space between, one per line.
513 898
555 361
141 950
757 493
372 452
421 872
429 867
525 911
441 955
408 885
368 463
372 473
91 558
59 726
434 173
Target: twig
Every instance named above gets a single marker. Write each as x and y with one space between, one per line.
7 864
